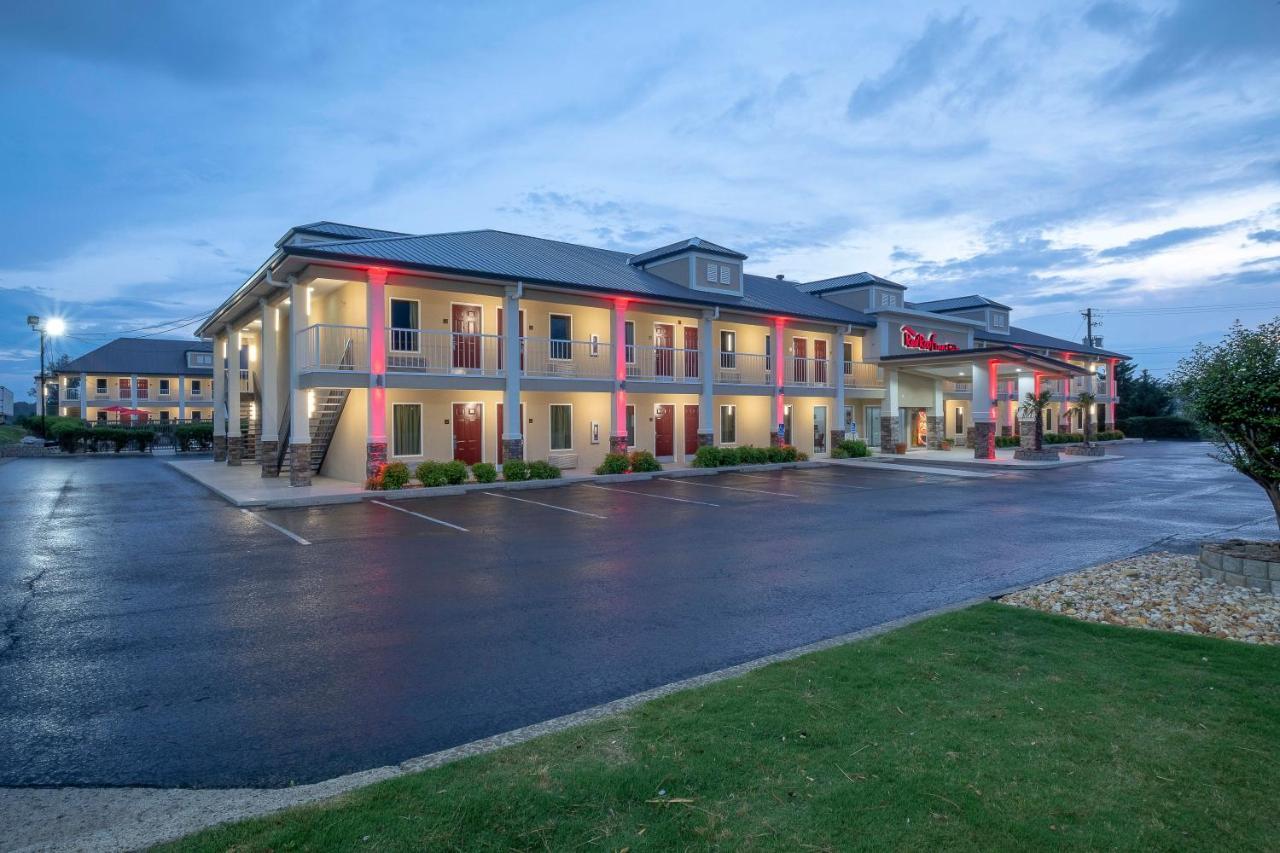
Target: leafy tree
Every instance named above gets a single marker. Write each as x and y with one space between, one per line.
1141 396
1034 406
1234 389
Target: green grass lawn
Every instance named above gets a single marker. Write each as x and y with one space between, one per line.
10 434
992 728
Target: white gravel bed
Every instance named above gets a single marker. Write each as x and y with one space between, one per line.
1162 591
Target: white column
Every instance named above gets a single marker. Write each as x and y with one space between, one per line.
269 416
708 361
838 342
84 396
512 427
182 397
235 438
618 403
375 313
779 379
299 419
218 385
133 391
983 374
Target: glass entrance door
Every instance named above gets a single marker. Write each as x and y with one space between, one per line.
819 429
872 432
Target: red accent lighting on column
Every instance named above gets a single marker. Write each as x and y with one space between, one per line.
378 413
993 384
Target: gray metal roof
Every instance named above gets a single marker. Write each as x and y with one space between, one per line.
840 282
691 244
341 231
516 257
958 303
1028 338
142 356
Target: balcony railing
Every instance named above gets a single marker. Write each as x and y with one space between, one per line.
744 368
444 353
662 364
811 372
70 394
863 374
246 381
329 347
564 359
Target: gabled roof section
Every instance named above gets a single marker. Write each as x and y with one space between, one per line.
339 231
1028 338
145 356
841 282
693 244
958 303
517 257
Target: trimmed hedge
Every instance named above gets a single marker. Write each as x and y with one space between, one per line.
718 457
541 469
73 435
395 475
1163 426
1010 440
199 435
484 472
432 474
515 470
614 463
850 448
644 462
455 472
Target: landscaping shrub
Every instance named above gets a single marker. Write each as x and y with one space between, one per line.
706 457
374 481
432 474
850 448
791 454
751 455
32 423
187 435
614 463
1011 440
730 456
1110 435
776 453
68 435
1164 426
515 470
541 469
644 462
395 475
455 472
484 472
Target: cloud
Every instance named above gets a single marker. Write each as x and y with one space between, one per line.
1203 38
1159 242
1267 235
1110 16
916 68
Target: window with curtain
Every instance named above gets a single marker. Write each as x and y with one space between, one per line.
631 341
404 325
406 429
728 424
561 427
631 426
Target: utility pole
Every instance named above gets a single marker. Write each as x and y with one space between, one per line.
1089 324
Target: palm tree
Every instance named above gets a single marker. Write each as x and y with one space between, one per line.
1085 402
1034 406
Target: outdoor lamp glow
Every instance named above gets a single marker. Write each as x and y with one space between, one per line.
56 326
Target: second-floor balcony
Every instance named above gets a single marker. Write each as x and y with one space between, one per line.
444 353
328 347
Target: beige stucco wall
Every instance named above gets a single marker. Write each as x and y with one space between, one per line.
346 457
915 391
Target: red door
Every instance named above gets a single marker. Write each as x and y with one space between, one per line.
501 422
502 330
800 371
690 431
820 362
663 341
466 337
467 435
691 352
664 428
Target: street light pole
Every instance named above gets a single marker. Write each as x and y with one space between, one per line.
55 326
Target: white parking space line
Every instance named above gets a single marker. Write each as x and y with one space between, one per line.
295 537
420 515
689 482
548 506
649 495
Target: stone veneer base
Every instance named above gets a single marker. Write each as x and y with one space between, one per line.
1239 562
984 440
375 456
219 448
1081 450
235 450
513 448
299 464
1027 454
618 444
269 455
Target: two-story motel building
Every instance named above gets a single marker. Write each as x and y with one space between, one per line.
138 380
357 346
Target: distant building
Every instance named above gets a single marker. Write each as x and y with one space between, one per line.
136 380
6 405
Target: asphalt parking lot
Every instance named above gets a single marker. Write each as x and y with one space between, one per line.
154 635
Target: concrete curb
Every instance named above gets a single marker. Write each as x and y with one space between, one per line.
500 485
132 818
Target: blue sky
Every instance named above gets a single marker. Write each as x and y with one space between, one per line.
1056 156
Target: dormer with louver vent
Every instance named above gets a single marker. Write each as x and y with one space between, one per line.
696 264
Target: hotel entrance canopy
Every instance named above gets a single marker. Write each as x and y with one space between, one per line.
957 364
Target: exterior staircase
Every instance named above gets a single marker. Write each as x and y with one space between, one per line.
324 422
250 430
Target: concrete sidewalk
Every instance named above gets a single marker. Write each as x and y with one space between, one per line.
962 458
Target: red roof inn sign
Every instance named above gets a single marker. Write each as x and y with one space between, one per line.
911 339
